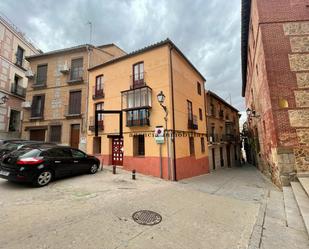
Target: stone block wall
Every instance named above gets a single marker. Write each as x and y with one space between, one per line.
298 33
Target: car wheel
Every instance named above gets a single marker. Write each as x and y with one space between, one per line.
44 178
94 168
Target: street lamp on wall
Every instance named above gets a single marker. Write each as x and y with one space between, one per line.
252 113
161 98
4 99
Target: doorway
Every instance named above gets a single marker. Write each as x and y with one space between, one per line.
228 155
75 129
117 151
37 135
213 159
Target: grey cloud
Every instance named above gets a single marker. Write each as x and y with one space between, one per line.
207 31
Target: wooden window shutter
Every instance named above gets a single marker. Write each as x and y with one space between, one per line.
75 102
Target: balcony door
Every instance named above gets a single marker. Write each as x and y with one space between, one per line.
138 74
75 102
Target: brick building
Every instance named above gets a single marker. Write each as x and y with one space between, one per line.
14 47
223 132
56 100
275 69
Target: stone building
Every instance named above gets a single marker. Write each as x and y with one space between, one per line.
224 146
14 47
131 84
56 100
275 70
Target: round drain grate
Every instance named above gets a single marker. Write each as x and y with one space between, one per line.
147 217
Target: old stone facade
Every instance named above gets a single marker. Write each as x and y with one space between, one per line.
275 59
13 49
223 132
56 101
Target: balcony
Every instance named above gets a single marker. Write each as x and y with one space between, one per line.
72 111
228 138
18 90
76 76
21 63
137 80
192 123
137 118
92 124
97 93
39 83
213 138
36 115
139 98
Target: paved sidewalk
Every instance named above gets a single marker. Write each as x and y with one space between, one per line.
248 184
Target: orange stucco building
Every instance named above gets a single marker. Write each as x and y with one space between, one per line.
131 84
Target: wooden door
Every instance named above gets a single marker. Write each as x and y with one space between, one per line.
75 128
228 154
37 135
117 151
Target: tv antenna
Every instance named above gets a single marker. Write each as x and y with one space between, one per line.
90 31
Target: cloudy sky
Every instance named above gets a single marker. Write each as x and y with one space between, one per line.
207 31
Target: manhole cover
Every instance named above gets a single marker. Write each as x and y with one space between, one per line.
147 217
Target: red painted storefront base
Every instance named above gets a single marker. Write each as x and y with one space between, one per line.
186 167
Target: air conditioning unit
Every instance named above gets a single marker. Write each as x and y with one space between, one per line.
65 68
26 104
29 74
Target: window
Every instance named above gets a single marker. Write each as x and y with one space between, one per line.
14 124
136 98
200 113
41 77
75 102
139 145
138 117
191 146
212 110
37 107
59 152
138 74
202 144
99 107
190 113
77 69
55 134
77 153
199 89
19 56
98 89
99 82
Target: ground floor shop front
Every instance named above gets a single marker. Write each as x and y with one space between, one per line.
184 158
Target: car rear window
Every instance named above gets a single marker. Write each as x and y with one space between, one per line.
11 146
26 152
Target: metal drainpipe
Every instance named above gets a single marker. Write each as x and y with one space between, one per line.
87 94
173 117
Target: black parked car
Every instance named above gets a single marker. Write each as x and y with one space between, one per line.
46 162
17 144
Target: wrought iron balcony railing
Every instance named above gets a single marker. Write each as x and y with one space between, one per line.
97 93
18 90
92 124
192 123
